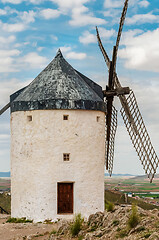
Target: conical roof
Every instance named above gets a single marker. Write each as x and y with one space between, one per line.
59 86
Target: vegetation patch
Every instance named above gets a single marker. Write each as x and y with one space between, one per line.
134 217
5 202
53 232
48 221
109 206
141 228
80 237
122 233
93 228
115 222
76 225
147 235
19 220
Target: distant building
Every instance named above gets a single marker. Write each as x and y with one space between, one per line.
130 194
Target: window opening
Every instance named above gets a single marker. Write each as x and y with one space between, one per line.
66 156
29 118
65 117
98 118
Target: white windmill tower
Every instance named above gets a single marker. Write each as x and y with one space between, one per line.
57 145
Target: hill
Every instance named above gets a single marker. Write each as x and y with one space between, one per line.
142 177
4 174
116 224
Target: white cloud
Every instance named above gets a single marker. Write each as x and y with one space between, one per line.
71 54
88 37
20 1
33 60
142 18
120 3
54 38
65 49
8 53
27 17
15 27
8 87
113 3
6 40
12 1
36 1
3 12
7 60
50 13
82 17
40 49
106 33
141 52
69 4
21 21
75 55
144 3
4 138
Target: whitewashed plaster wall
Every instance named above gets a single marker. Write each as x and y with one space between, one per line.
37 164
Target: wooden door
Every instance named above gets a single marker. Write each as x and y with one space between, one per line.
65 198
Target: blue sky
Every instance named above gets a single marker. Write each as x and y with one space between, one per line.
31 31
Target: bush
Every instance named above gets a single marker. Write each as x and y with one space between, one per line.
109 206
134 217
76 225
122 233
19 220
115 222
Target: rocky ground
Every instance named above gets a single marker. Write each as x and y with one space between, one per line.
105 226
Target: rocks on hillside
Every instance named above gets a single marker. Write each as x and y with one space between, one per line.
114 225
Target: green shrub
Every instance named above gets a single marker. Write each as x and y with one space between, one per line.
147 235
134 217
19 220
80 238
93 228
76 225
109 206
122 233
53 232
141 228
115 222
48 221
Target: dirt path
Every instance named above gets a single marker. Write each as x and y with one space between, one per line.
24 231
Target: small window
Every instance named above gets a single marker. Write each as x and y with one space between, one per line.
66 156
65 117
98 117
29 118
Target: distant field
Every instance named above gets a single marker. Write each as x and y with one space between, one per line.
4 184
135 185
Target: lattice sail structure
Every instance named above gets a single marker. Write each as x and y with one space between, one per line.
139 136
109 146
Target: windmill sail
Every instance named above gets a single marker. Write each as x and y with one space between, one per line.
122 20
139 136
130 113
109 142
5 108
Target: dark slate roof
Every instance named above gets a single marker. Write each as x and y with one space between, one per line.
59 86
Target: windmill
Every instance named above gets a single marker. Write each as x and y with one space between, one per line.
130 113
51 143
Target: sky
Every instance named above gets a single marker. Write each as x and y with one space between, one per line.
31 32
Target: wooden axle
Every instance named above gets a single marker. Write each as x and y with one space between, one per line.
116 92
